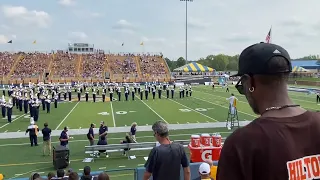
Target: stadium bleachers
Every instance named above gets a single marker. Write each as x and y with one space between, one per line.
88 67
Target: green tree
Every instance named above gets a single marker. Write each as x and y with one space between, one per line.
171 64
180 62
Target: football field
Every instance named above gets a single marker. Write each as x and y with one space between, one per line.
205 105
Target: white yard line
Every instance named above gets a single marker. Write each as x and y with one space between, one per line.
152 110
194 110
222 106
121 138
113 119
67 115
29 172
12 121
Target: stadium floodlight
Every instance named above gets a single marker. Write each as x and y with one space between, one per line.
186 58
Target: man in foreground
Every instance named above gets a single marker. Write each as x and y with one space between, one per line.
283 142
164 161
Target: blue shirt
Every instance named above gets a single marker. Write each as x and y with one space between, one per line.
63 136
46 133
90 133
133 130
102 130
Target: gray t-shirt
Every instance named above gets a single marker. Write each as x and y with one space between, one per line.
164 161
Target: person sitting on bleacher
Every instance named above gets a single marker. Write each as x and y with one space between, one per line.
102 141
127 140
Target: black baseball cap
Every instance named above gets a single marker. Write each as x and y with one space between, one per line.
255 58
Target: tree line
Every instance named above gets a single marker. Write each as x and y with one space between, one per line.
222 62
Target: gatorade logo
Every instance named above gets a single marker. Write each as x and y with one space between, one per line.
304 168
207 154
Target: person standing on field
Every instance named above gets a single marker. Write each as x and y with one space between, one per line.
46 132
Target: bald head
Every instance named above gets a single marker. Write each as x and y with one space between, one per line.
103 176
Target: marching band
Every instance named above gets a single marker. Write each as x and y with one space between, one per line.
25 100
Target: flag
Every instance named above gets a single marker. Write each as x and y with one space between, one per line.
122 44
268 38
34 42
141 44
10 42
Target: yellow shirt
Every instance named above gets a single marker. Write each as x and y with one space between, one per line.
1 176
213 172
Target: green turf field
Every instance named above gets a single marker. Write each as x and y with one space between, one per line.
205 105
21 159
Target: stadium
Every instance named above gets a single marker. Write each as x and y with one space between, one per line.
81 86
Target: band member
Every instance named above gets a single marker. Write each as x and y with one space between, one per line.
135 87
119 93
31 101
3 90
33 130
172 91
153 92
103 95
70 93
181 92
9 110
59 92
64 93
48 103
168 92
3 106
79 94
36 110
20 101
146 92
159 91
87 94
139 89
190 91
43 101
94 94
213 85
25 103
56 101
227 90
141 94
126 93
186 90
133 91
111 94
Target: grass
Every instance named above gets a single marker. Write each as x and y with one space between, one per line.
204 106
313 79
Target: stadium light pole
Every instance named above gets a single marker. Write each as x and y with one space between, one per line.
187 27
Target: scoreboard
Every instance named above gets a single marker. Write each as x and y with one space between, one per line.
80 47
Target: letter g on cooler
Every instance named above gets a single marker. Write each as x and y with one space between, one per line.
207 154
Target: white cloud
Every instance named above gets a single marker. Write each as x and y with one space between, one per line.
4 26
77 35
21 16
124 26
3 39
14 36
67 2
96 14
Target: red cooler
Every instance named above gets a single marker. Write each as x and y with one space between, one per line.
216 140
200 154
206 139
195 141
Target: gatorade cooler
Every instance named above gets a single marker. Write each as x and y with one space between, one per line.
195 141
205 139
200 154
216 140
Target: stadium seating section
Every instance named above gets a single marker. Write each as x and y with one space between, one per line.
66 67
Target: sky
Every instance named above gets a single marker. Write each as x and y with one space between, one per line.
214 26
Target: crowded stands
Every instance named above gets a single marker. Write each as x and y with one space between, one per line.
7 60
93 65
125 66
152 66
32 65
64 64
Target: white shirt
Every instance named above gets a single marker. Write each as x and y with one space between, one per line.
231 100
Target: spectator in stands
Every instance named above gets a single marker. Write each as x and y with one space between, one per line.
73 176
213 169
86 173
35 176
103 176
164 161
281 143
204 171
51 175
60 173
46 132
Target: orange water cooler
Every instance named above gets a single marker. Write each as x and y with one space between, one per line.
204 147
